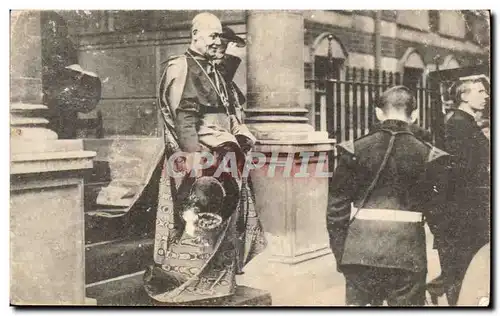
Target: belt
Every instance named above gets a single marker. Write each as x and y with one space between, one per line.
212 109
389 215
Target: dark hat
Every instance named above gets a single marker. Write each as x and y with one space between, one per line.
230 35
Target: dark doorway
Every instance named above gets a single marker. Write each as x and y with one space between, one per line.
322 71
412 77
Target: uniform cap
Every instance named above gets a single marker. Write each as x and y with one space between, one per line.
230 35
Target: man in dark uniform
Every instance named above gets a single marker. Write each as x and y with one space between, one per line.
465 226
228 64
392 181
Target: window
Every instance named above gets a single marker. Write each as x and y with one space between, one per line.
469 25
415 19
321 67
348 12
412 77
434 21
325 67
412 65
449 62
477 27
321 73
452 23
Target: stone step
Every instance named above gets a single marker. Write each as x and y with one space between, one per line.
139 218
132 226
138 221
129 291
126 290
20 121
116 258
27 146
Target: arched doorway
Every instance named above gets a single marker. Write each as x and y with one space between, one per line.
328 60
449 62
412 66
320 48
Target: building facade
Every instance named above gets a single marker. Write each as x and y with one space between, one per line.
126 49
285 51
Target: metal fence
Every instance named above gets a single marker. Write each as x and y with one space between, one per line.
345 108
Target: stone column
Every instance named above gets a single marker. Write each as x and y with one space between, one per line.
46 194
293 201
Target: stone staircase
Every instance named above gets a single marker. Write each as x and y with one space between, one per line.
117 249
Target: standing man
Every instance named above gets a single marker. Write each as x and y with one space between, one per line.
207 228
203 106
392 181
227 64
465 226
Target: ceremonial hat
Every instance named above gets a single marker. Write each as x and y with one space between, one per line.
230 35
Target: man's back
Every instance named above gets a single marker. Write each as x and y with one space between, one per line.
400 192
391 179
405 166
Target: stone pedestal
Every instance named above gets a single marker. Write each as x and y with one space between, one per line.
129 291
46 202
292 200
46 222
291 191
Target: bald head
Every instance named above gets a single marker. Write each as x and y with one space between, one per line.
206 29
204 21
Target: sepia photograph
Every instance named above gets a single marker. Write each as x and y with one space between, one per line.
250 158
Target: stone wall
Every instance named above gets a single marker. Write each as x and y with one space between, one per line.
126 49
26 58
46 183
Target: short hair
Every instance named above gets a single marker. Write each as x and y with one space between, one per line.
464 86
202 19
398 97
